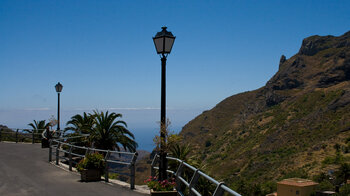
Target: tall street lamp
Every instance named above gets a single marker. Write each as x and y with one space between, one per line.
58 88
163 41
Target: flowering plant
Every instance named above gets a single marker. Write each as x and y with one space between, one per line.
165 185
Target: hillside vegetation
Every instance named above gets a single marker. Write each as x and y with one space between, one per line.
288 127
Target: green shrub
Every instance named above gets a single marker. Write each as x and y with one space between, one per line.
338 159
268 187
344 190
113 176
92 161
297 173
320 177
328 160
343 174
325 185
207 143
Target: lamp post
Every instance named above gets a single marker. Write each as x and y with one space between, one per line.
58 88
163 42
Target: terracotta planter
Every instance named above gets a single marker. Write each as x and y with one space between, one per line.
163 193
88 175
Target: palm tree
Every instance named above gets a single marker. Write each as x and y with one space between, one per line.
180 151
38 126
108 133
80 124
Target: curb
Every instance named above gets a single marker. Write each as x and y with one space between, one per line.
143 189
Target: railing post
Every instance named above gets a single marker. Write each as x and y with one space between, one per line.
193 181
177 175
132 171
106 167
16 135
58 153
33 137
87 151
50 151
70 158
219 191
153 171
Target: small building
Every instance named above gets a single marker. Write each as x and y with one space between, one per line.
296 187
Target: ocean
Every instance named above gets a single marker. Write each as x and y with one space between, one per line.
143 123
144 137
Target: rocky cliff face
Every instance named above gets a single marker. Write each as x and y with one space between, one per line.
3 127
289 124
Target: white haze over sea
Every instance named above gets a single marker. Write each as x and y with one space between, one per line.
143 122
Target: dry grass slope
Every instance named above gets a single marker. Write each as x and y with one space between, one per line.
287 127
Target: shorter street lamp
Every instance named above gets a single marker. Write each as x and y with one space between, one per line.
163 42
58 88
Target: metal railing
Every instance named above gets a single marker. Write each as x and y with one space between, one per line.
70 150
182 183
17 135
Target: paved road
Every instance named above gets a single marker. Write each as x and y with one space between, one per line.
24 170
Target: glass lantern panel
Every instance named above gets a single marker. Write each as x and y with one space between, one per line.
58 88
168 44
158 42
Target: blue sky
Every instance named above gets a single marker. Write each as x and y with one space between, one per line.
103 54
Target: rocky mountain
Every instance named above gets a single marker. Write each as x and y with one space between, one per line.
288 126
3 127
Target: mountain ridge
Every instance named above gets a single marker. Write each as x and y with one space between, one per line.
290 124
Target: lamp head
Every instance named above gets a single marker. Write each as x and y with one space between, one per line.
164 41
58 87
